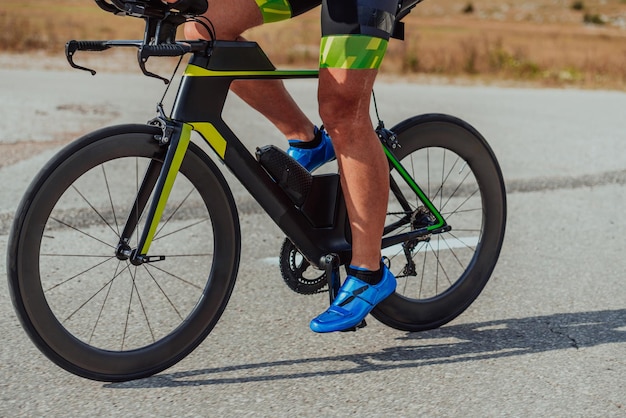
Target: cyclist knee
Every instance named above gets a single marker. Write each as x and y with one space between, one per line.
344 98
338 111
343 112
229 19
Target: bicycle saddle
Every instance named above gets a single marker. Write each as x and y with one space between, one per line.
405 8
153 8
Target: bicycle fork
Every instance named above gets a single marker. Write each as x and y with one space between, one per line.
159 177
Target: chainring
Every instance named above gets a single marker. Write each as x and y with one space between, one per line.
298 273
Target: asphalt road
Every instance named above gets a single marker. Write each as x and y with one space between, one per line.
547 337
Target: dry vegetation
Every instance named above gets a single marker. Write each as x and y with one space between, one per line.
578 43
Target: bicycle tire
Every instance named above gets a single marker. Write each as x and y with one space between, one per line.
449 269
100 317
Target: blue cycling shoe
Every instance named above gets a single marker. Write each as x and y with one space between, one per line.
312 157
353 302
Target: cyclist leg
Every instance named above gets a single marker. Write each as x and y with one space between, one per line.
345 110
350 55
230 19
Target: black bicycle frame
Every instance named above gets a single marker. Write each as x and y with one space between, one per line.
198 106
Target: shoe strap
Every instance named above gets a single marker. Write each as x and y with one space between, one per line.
336 309
347 296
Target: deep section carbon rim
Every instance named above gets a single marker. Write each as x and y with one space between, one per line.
97 314
441 273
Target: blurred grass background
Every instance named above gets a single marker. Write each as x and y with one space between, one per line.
577 43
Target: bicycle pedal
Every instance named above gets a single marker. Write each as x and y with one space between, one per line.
360 325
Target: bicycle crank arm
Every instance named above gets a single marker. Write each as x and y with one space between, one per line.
330 263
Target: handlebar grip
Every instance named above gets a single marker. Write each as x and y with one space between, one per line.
164 50
87 45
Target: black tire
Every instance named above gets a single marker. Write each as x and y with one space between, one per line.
459 173
100 317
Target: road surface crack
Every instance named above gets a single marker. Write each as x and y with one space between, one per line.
555 329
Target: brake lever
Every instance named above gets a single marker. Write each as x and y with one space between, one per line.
142 57
72 46
161 50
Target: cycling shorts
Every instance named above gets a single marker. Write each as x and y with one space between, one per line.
355 33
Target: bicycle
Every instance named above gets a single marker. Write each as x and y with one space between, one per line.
125 248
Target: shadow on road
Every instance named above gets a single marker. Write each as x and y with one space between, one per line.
447 345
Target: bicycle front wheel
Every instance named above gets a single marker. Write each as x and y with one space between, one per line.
441 274
96 314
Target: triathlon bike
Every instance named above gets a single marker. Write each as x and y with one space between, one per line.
125 248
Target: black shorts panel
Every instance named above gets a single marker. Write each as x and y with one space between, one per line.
348 17
301 6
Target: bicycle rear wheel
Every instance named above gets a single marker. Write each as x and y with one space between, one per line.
441 274
99 316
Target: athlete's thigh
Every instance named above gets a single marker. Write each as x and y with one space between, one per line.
276 10
229 19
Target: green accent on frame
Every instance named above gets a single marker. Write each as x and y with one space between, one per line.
352 52
195 71
212 136
274 10
420 193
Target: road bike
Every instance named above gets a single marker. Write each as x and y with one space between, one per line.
125 248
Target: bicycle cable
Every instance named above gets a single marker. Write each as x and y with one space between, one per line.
167 87
380 122
206 24
210 28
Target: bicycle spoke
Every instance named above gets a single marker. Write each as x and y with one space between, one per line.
156 282
467 230
91 298
106 298
95 210
457 189
106 182
457 211
443 168
181 229
78 275
172 214
462 241
82 232
188 255
445 241
427 169
463 203
423 275
439 265
143 310
417 201
444 180
175 276
74 255
130 303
